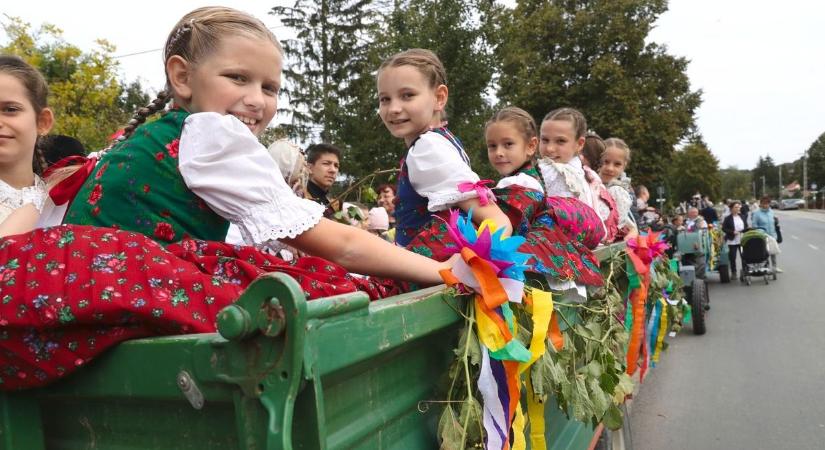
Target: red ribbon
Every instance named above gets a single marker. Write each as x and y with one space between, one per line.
485 195
66 190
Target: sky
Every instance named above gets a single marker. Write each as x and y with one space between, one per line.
759 64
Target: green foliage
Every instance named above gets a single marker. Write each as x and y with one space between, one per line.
816 162
766 168
694 169
735 184
89 101
325 62
592 55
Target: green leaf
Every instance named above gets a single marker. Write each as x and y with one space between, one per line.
612 418
597 397
449 430
474 423
474 349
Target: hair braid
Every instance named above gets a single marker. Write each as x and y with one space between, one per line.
144 112
39 163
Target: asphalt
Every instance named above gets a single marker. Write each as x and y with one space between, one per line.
756 380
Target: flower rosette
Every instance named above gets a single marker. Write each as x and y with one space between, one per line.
493 269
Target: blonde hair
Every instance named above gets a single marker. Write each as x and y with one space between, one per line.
423 60
571 115
194 37
621 145
517 116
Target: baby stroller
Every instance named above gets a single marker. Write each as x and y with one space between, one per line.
755 257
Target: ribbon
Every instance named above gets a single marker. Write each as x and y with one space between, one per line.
485 194
662 331
67 189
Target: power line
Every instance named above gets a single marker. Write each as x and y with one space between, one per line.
159 49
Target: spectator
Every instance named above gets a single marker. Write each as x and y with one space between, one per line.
765 220
708 212
378 223
386 200
694 222
57 146
733 226
324 162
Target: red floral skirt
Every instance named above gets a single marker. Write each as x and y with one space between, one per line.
67 293
554 253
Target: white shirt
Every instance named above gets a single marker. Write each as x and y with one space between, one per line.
521 179
623 201
436 168
223 163
12 198
738 225
565 180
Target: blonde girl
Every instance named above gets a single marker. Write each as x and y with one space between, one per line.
613 165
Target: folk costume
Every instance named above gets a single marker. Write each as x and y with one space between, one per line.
71 291
569 195
436 175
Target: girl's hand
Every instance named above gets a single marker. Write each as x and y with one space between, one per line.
21 220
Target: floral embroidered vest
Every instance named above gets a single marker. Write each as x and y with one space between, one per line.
411 214
136 186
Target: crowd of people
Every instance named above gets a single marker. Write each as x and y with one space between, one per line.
157 232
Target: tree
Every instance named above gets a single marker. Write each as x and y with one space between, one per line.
766 168
89 100
592 55
326 59
455 32
735 184
694 169
816 162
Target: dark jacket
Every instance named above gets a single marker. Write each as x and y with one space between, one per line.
729 228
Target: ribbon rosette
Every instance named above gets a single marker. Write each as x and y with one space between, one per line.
485 194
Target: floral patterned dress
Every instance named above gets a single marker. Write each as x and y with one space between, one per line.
69 292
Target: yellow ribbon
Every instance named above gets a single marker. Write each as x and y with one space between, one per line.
535 412
519 442
662 330
542 303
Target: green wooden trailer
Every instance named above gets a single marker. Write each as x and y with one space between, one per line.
282 373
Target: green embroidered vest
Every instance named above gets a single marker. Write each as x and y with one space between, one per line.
136 186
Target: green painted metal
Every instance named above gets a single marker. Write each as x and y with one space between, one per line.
335 373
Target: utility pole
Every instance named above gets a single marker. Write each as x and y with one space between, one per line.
780 182
763 185
805 178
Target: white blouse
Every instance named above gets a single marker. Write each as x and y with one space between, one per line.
521 179
565 180
623 202
223 163
12 198
436 168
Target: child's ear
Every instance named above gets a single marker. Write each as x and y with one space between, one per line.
178 71
45 121
532 145
441 94
579 144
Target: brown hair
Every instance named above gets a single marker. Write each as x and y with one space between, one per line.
620 144
195 36
37 92
425 61
593 149
571 115
521 118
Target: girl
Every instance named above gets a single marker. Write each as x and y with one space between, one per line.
568 193
604 205
614 163
511 145
24 119
69 292
435 171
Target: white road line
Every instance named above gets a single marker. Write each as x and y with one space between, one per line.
794 238
813 246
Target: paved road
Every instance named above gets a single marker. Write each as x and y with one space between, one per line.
756 380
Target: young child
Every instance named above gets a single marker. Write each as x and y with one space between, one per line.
614 163
604 205
512 141
562 136
435 172
188 174
24 119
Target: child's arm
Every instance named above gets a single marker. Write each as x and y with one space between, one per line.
489 211
21 220
361 252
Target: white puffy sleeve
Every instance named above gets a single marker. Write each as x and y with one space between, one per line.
436 169
521 179
623 202
223 163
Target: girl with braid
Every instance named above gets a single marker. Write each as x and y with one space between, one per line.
24 119
144 254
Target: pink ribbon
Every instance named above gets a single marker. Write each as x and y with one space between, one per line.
485 194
